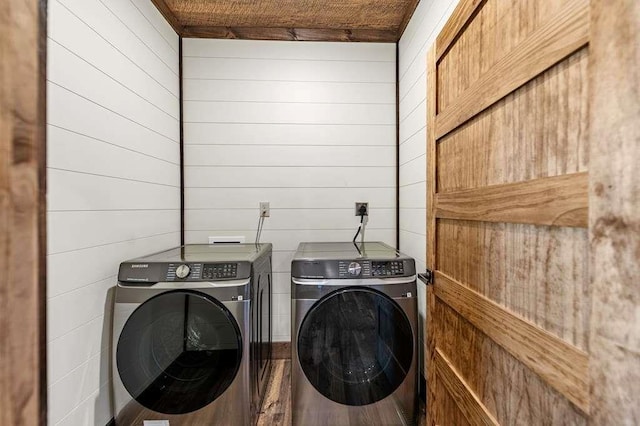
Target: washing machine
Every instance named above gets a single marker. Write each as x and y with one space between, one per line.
192 336
354 335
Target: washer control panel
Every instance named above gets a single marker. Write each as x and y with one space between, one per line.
149 273
214 271
387 269
352 268
369 268
199 271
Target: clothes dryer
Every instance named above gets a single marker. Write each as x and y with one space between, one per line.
192 335
354 329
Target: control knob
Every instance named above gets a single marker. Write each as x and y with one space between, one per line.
354 269
183 271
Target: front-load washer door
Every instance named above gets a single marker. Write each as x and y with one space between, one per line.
178 352
355 346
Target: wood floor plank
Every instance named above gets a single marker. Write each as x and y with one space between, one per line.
281 350
276 407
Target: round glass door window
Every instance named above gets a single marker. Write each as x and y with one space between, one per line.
355 346
178 352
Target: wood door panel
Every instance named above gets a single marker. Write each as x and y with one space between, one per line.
540 130
561 365
497 29
464 397
508 238
508 389
559 201
448 412
548 45
537 272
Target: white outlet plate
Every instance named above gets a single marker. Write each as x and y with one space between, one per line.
265 211
223 239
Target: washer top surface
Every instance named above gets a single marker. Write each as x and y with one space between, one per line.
193 262
350 260
347 250
208 253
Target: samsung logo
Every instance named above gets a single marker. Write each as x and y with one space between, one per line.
140 265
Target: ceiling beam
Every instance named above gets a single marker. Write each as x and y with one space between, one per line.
291 34
168 15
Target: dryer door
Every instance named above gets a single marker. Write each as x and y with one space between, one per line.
178 352
355 346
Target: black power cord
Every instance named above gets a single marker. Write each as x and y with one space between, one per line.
362 211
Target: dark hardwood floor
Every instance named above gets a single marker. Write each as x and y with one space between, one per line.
276 409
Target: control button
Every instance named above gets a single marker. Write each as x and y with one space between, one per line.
182 271
354 268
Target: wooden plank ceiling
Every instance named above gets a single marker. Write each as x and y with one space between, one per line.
310 20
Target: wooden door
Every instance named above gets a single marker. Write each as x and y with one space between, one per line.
614 212
508 150
22 212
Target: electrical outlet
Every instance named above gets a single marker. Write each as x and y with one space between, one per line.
366 208
265 211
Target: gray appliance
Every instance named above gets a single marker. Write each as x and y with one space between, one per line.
354 335
192 335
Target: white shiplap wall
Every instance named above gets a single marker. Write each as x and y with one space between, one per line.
113 181
427 21
307 126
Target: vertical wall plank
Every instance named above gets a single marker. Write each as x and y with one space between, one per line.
615 211
22 204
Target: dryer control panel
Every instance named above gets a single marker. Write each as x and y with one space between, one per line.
370 268
214 271
387 269
150 273
356 268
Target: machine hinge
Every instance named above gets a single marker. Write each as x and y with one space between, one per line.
427 277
